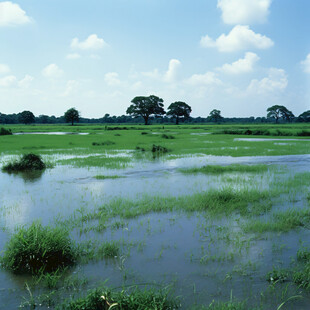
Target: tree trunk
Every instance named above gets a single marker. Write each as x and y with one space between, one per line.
177 121
146 118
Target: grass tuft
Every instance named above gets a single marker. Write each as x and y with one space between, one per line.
38 249
27 162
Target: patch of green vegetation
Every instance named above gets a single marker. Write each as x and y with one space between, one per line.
230 305
158 149
97 161
27 162
277 276
216 169
38 249
105 177
165 136
108 142
109 249
5 132
279 222
136 299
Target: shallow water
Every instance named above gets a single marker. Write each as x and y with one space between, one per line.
267 139
203 258
58 133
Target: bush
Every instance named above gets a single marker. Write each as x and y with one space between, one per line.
159 149
5 132
164 136
27 162
103 143
38 249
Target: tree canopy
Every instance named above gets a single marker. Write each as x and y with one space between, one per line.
146 107
72 115
26 117
179 110
215 116
280 111
304 117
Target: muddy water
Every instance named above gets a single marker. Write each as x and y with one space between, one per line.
199 257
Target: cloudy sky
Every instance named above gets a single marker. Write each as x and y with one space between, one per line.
238 56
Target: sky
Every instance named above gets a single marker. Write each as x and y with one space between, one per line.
237 56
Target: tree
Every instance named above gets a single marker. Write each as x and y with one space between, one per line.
215 116
279 111
26 117
179 109
146 106
304 117
72 115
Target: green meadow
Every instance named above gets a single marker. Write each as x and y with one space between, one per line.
156 217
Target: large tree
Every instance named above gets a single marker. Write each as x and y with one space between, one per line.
215 116
179 110
72 115
304 117
146 107
279 111
26 117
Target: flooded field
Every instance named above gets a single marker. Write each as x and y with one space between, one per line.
212 230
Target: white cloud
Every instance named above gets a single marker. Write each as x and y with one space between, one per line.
152 74
306 64
275 81
173 71
4 69
8 81
11 14
243 65
71 86
73 56
112 79
26 81
209 78
91 43
240 38
244 11
52 71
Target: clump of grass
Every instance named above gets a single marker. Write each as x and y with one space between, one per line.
159 149
144 133
109 249
277 276
164 136
38 249
104 177
26 162
303 254
108 142
216 169
302 278
136 299
138 148
5 132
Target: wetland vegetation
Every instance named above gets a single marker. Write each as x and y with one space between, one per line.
214 222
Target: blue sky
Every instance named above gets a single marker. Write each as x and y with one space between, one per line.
238 56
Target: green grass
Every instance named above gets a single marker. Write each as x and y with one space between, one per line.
105 177
216 169
38 249
135 299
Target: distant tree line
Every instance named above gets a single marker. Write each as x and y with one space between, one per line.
151 110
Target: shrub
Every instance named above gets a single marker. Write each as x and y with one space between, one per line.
26 162
159 149
164 136
103 143
38 249
5 132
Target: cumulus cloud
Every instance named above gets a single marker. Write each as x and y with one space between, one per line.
71 86
8 81
4 69
173 71
26 81
11 14
243 65
244 11
52 71
240 38
209 78
111 78
93 42
73 56
306 64
275 81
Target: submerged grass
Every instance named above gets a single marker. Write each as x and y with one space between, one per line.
104 177
216 169
38 249
135 299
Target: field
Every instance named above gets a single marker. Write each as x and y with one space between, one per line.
188 216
